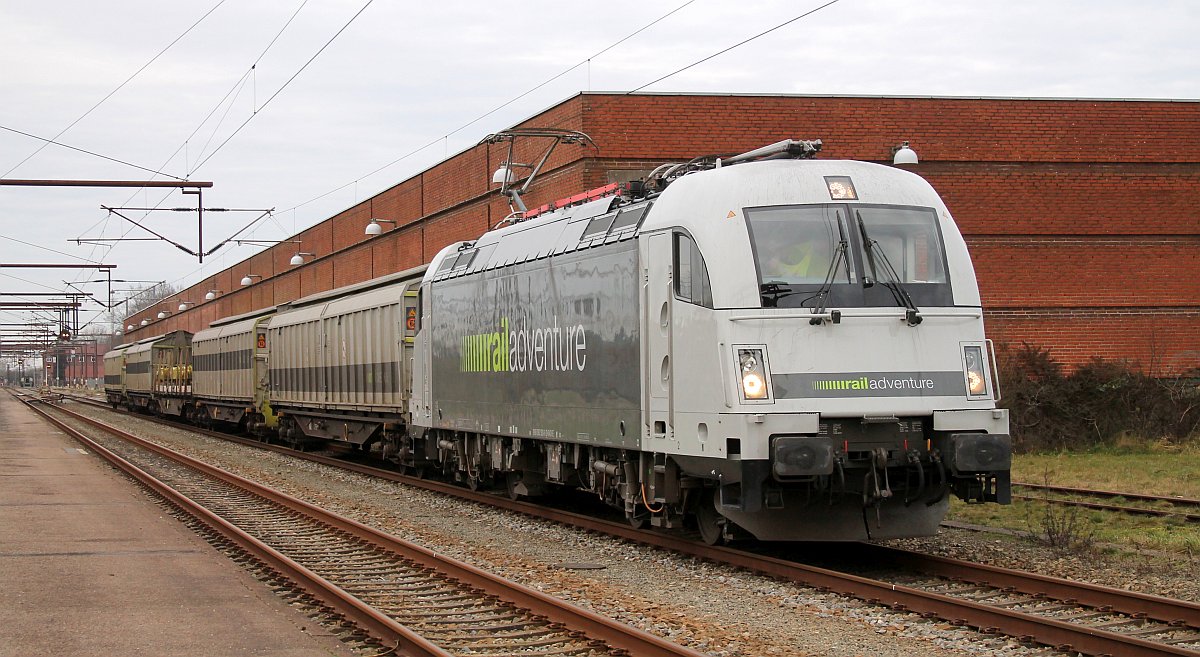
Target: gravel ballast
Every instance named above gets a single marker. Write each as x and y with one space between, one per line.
709 607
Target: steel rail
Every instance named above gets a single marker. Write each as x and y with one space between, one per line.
1047 631
1116 508
1167 610
591 624
1177 501
370 620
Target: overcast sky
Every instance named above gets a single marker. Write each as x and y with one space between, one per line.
408 75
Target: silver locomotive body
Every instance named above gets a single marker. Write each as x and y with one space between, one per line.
790 349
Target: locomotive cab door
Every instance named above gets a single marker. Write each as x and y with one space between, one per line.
657 380
421 362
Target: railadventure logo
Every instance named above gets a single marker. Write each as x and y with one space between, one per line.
874 383
830 385
522 348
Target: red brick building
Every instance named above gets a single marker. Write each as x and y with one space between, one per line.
1082 216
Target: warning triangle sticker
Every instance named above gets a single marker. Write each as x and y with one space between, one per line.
731 215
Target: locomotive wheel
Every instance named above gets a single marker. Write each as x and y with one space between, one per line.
417 471
480 481
708 521
638 522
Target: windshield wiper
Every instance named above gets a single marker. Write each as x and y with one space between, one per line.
823 294
773 291
912 313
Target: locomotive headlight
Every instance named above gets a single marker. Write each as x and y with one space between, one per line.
754 386
753 374
976 371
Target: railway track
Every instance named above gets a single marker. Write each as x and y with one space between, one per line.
1184 509
406 597
1068 615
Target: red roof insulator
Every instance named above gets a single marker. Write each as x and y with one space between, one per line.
582 197
607 190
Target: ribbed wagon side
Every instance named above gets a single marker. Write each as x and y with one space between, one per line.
229 375
339 363
114 374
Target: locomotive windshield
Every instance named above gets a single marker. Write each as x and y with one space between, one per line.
805 252
796 245
910 239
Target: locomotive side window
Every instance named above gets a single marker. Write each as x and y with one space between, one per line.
599 225
457 261
691 275
629 217
465 258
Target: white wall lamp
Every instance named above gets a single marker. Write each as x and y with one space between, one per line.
298 259
902 154
130 327
504 175
162 314
374 228
145 322
213 294
184 305
248 279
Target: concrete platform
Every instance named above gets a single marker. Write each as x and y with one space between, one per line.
90 566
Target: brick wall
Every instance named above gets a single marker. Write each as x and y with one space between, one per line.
1070 199
1083 272
1082 216
940 129
1163 341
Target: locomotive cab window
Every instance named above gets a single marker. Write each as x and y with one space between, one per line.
691 275
800 253
902 246
836 255
909 238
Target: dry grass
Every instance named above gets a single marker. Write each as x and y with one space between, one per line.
1154 470
1151 471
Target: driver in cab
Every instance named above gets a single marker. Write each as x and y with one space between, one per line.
804 261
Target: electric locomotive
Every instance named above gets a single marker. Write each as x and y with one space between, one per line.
767 345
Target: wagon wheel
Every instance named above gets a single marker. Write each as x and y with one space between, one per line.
511 479
638 522
710 523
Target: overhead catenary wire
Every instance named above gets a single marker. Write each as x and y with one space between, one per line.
45 248
492 111
736 45
114 91
284 86
85 151
240 83
585 61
